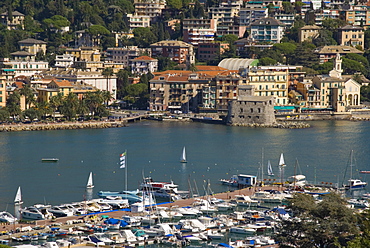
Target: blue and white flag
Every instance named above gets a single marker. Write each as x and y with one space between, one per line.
122 160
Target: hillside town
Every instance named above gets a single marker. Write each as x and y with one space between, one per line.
179 57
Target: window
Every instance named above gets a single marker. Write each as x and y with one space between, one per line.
251 110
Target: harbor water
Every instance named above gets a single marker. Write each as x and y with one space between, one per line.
154 149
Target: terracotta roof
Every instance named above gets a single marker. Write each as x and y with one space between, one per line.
144 58
18 84
63 83
209 68
352 27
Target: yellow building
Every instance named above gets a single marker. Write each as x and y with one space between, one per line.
308 33
350 35
271 81
16 22
85 53
32 46
55 87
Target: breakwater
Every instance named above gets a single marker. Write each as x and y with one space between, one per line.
60 126
287 124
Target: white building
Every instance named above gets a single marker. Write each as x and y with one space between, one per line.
64 61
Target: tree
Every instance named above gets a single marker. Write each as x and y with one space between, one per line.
93 100
57 22
325 38
28 93
55 102
286 48
13 105
329 223
363 238
97 30
69 106
4 114
143 37
32 113
267 61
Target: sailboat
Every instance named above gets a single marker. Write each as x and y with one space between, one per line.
18 197
183 156
354 184
281 161
90 184
269 169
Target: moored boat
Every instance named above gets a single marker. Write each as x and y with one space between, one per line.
50 160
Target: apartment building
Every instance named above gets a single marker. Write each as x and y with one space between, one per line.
178 51
266 30
143 65
211 50
32 46
125 54
351 35
198 31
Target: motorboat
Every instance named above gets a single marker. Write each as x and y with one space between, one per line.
114 202
358 203
268 197
244 200
61 211
132 220
167 190
34 213
7 217
51 160
233 181
243 230
354 184
131 196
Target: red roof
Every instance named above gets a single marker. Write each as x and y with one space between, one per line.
144 58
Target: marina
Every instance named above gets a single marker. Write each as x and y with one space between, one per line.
213 153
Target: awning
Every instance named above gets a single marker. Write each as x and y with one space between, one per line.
284 107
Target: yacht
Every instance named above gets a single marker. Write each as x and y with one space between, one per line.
34 213
131 196
7 217
61 211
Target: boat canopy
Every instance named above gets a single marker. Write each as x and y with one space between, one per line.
298 177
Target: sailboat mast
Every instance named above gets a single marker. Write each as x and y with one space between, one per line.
262 167
126 170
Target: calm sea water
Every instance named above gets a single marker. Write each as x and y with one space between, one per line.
154 149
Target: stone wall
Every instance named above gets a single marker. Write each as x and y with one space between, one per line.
58 126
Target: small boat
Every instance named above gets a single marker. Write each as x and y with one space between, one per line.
269 169
183 156
18 197
90 184
50 160
365 172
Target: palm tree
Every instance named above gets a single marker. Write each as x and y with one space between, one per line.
93 100
107 96
13 104
55 102
69 106
28 93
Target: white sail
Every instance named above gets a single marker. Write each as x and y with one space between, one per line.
90 184
281 162
18 197
269 169
183 156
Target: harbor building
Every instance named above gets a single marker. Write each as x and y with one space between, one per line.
251 109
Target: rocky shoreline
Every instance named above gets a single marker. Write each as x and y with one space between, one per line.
59 126
288 125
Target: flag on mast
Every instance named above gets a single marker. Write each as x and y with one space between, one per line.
122 160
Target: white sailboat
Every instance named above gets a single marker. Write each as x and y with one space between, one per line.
18 197
269 169
282 162
183 156
90 184
354 184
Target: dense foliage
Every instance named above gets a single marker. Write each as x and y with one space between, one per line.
327 223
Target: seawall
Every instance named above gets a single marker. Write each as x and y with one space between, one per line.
60 126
